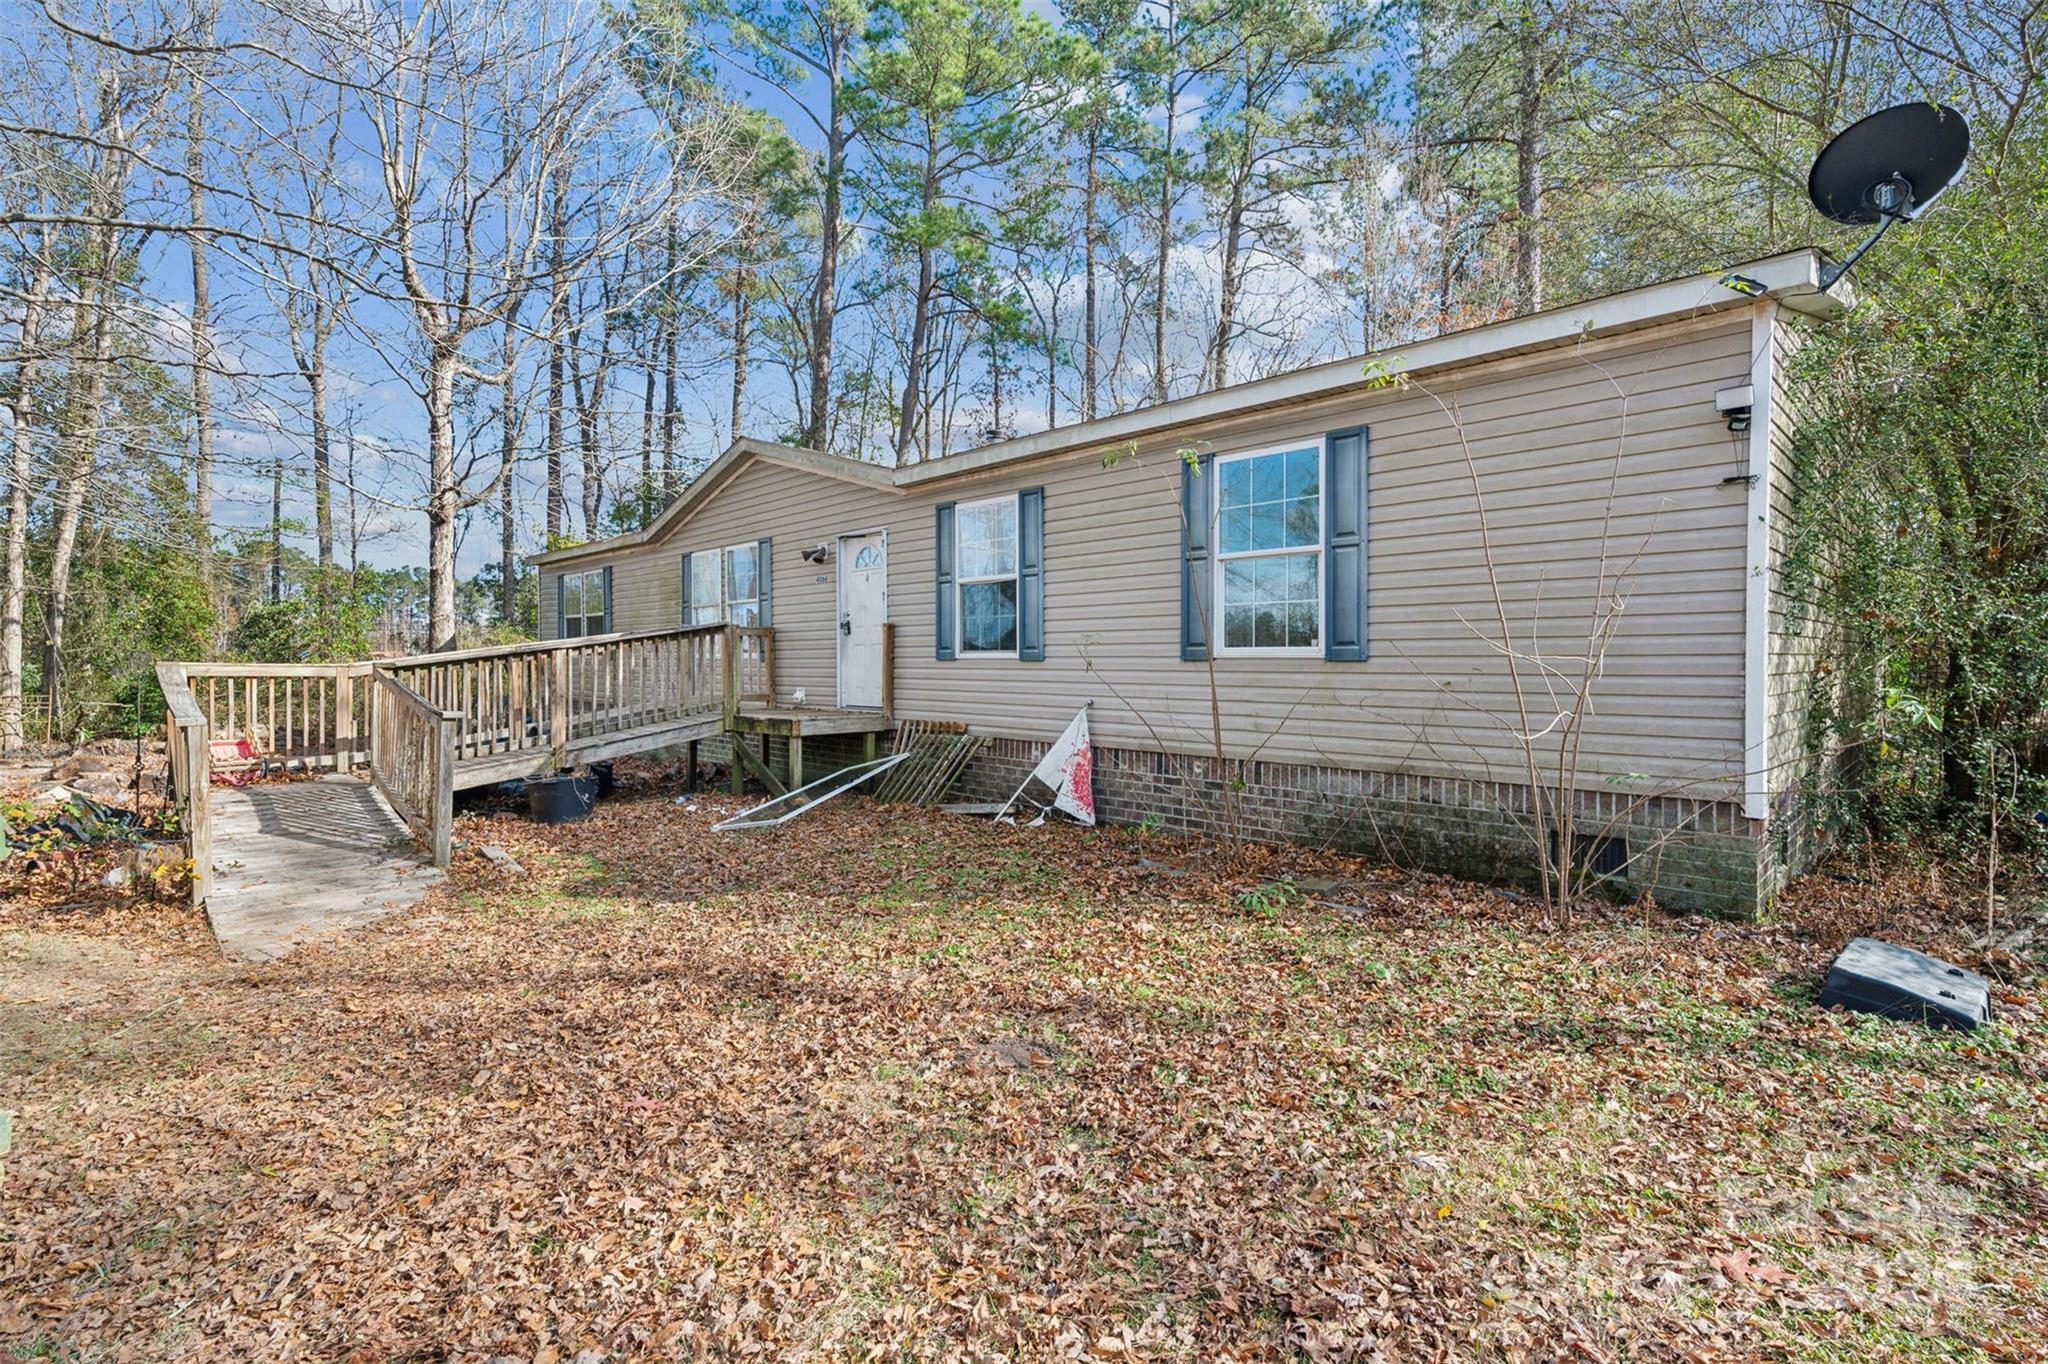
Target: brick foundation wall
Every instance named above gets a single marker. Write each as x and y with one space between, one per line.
1696 855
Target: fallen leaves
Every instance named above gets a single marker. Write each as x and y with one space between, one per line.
1744 1268
885 1085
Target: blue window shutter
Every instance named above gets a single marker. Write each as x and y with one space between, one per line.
1197 493
684 617
1344 546
764 581
561 605
1031 575
942 614
607 600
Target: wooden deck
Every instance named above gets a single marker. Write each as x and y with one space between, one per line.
275 863
298 861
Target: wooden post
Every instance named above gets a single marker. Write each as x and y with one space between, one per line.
888 669
729 675
734 739
870 741
444 790
796 759
558 708
690 776
199 812
768 667
344 718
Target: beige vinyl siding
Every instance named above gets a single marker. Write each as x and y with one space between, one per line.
1434 696
1798 636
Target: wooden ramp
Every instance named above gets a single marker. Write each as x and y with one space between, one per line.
297 861
278 864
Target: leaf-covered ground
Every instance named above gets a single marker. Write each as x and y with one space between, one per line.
892 1085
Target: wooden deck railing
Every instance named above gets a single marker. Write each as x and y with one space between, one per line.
412 760
189 736
544 698
753 679
307 713
430 724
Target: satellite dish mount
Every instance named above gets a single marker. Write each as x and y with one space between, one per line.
1887 168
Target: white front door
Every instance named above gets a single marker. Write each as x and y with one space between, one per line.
863 606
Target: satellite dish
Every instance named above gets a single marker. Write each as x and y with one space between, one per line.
1887 168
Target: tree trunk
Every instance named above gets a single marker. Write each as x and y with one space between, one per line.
589 407
202 335
920 319
276 529
14 577
1164 228
742 326
670 326
647 441
443 499
669 416
1090 188
508 553
1529 172
323 456
825 288
558 328
913 375
81 440
1052 374
1226 303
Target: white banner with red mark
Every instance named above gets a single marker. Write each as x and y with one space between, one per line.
1066 772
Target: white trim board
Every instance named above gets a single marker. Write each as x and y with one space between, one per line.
1756 602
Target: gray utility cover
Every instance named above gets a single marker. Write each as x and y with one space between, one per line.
1875 977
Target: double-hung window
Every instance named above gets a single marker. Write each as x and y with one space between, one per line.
723 586
584 608
706 603
1269 542
987 576
742 585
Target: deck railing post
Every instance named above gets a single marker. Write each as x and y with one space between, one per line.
199 812
558 705
888 668
444 788
768 665
730 673
344 717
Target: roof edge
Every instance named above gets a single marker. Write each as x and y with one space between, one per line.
715 474
1790 278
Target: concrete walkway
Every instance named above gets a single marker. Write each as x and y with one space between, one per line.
296 861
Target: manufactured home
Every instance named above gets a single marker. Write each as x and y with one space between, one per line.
1320 564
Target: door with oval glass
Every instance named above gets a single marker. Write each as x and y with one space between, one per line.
863 606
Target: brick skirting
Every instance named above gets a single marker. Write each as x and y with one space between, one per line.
1691 854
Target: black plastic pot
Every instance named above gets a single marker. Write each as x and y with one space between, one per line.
560 800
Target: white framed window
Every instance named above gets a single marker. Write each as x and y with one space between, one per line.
985 575
1269 550
706 589
743 584
584 608
725 586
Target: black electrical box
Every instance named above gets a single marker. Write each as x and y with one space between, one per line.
1875 977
